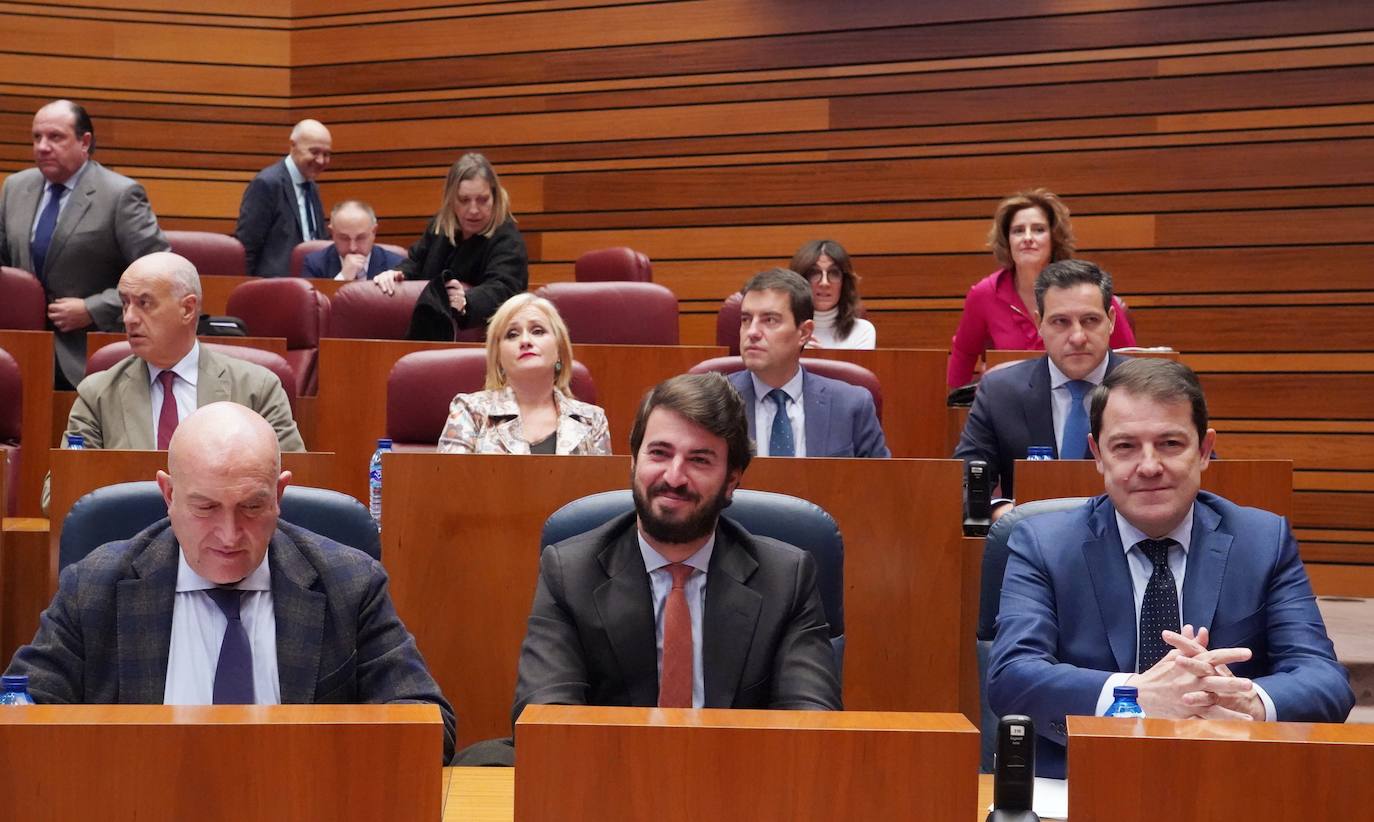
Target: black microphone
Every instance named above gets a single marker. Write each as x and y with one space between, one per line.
1013 779
977 499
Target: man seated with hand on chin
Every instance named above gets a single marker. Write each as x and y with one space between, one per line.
1201 604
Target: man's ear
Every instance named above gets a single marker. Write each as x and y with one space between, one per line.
1097 455
283 480
164 484
807 328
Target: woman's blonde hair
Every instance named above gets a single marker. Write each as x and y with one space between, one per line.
471 166
496 329
1061 230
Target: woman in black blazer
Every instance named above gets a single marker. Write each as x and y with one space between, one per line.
471 254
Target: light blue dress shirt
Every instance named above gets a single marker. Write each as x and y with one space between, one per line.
765 409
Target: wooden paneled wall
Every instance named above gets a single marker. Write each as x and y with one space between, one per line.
1218 156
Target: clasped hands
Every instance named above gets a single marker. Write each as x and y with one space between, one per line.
1193 681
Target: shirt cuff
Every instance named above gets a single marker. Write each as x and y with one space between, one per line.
1105 699
1271 713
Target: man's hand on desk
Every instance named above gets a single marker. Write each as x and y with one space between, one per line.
1192 681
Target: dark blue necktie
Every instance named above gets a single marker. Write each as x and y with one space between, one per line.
234 672
1159 607
42 234
780 443
312 207
1075 438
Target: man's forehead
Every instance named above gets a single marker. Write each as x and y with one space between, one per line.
1127 414
1083 298
767 301
667 427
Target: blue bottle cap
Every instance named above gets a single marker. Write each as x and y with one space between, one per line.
384 443
15 682
1130 692
76 440
1039 451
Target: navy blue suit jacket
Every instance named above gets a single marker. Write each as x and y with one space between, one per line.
841 420
1067 619
325 263
269 226
1011 412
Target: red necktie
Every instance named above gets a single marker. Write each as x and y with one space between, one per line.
167 417
675 682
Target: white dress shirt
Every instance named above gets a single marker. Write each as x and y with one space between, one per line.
70 185
302 207
198 631
183 387
661 583
1060 398
765 409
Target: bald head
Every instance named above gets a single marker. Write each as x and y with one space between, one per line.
311 148
160 295
222 486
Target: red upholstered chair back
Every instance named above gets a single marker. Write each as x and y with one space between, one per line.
23 305
11 422
834 369
211 254
361 311
299 253
613 264
617 313
423 384
727 323
290 308
107 355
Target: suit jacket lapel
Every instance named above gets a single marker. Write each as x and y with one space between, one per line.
211 383
1207 556
625 605
143 621
744 384
133 393
20 225
291 193
1037 407
1111 581
728 623
72 212
299 611
816 401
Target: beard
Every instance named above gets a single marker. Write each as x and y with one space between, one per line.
697 524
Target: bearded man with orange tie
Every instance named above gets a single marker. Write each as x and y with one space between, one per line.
671 605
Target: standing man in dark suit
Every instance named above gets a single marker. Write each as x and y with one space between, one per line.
672 605
1044 401
354 254
821 417
281 206
75 225
1201 604
222 603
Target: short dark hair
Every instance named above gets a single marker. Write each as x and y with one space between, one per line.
1164 381
789 282
708 400
81 124
1069 273
848 308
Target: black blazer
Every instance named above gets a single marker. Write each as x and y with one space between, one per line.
493 269
269 225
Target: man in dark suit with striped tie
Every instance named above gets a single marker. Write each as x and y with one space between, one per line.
281 207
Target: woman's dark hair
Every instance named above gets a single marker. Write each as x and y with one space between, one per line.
804 261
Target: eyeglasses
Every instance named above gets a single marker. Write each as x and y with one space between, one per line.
815 276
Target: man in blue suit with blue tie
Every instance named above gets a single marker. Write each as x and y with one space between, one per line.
793 412
1201 604
355 254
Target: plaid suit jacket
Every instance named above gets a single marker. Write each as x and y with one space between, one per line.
106 635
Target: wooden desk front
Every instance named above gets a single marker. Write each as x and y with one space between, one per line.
1266 484
595 764
1201 770
461 539
32 350
222 762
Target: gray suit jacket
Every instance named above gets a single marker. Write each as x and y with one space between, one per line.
105 225
841 420
592 640
106 635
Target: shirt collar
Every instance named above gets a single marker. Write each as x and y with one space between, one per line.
1130 535
793 387
188 368
260 579
653 560
297 178
1095 376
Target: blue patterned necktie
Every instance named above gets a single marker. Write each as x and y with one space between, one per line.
234 672
42 234
780 442
312 207
1075 438
1159 607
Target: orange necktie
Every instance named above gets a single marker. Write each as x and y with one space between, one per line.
675 683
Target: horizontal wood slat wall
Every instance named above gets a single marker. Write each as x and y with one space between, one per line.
1218 157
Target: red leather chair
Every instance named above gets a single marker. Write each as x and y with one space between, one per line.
11 423
24 305
834 369
423 384
617 313
285 307
727 323
211 254
107 355
613 264
361 311
301 251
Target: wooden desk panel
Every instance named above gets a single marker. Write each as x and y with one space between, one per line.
759 764
461 538
223 762
913 381
32 350
1266 484
1272 770
23 574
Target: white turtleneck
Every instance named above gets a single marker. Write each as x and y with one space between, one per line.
863 335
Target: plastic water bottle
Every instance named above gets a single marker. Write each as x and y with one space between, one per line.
374 479
16 690
1040 452
76 442
1124 703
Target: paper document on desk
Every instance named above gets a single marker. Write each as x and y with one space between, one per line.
1051 798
